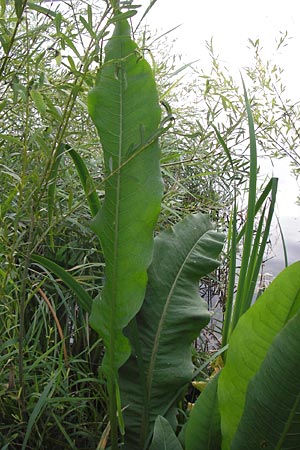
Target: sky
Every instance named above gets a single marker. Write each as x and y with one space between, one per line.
231 23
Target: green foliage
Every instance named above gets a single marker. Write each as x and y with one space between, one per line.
171 317
272 406
164 437
52 179
250 343
125 119
43 113
257 392
203 430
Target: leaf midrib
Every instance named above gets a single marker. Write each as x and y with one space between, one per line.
113 316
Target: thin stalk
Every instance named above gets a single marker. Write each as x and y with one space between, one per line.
12 40
22 301
22 306
111 387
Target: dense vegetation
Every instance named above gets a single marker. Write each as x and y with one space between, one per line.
57 389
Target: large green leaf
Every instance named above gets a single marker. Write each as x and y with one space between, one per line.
203 430
271 417
125 109
250 342
171 317
164 437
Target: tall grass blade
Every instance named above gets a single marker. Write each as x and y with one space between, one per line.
232 243
40 405
84 299
258 249
286 262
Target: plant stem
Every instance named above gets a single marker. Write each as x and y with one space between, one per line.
22 307
112 414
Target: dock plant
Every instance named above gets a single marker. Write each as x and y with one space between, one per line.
148 312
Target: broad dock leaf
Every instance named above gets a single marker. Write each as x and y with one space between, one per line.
250 342
125 109
170 319
164 437
271 417
203 429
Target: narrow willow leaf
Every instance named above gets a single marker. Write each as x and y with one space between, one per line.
87 182
2 7
271 417
52 187
70 44
52 109
41 9
72 64
250 342
164 437
9 198
11 139
19 8
3 105
38 101
90 15
58 18
84 299
170 319
122 16
203 430
87 26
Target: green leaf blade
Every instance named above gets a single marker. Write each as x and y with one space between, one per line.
164 437
250 342
203 430
84 299
170 319
271 417
124 107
